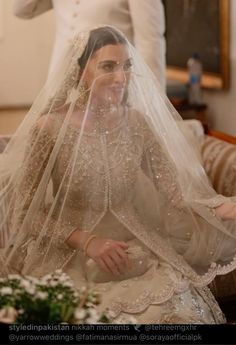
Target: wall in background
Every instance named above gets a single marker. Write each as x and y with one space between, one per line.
25 48
222 104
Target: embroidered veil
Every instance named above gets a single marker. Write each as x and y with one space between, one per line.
112 148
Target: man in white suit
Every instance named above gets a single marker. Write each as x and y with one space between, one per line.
142 21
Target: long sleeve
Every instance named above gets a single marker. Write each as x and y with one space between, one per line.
32 220
162 171
27 9
149 26
159 169
30 176
34 184
191 225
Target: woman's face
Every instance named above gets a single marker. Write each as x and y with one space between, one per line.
107 73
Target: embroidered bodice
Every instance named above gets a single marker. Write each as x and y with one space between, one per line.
105 177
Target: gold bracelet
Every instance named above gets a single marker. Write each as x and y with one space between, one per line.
91 237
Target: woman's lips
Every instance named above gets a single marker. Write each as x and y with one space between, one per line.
117 89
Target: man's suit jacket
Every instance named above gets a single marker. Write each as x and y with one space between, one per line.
142 21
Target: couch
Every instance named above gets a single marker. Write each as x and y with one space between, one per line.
217 153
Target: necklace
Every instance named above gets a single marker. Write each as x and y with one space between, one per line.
102 117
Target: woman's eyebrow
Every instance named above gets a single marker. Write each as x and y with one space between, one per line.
114 62
108 61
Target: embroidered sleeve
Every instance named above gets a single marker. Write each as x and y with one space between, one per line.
159 168
30 176
31 217
162 171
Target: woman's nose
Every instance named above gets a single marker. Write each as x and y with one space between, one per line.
119 76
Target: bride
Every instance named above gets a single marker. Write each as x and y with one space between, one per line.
100 181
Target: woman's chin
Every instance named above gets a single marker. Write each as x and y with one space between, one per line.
117 98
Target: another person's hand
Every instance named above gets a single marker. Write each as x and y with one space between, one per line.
110 255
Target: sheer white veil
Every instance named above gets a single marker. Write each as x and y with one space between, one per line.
54 175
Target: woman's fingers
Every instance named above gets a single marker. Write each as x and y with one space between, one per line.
116 252
111 264
226 210
103 265
122 244
109 254
118 260
106 264
124 257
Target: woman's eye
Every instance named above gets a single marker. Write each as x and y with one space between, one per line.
127 66
108 68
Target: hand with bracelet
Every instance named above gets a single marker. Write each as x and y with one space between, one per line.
110 255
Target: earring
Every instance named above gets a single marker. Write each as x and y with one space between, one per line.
83 95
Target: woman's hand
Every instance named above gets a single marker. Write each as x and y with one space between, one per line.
110 255
226 210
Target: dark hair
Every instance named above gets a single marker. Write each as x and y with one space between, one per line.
99 38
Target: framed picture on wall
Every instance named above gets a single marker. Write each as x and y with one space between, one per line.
202 27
